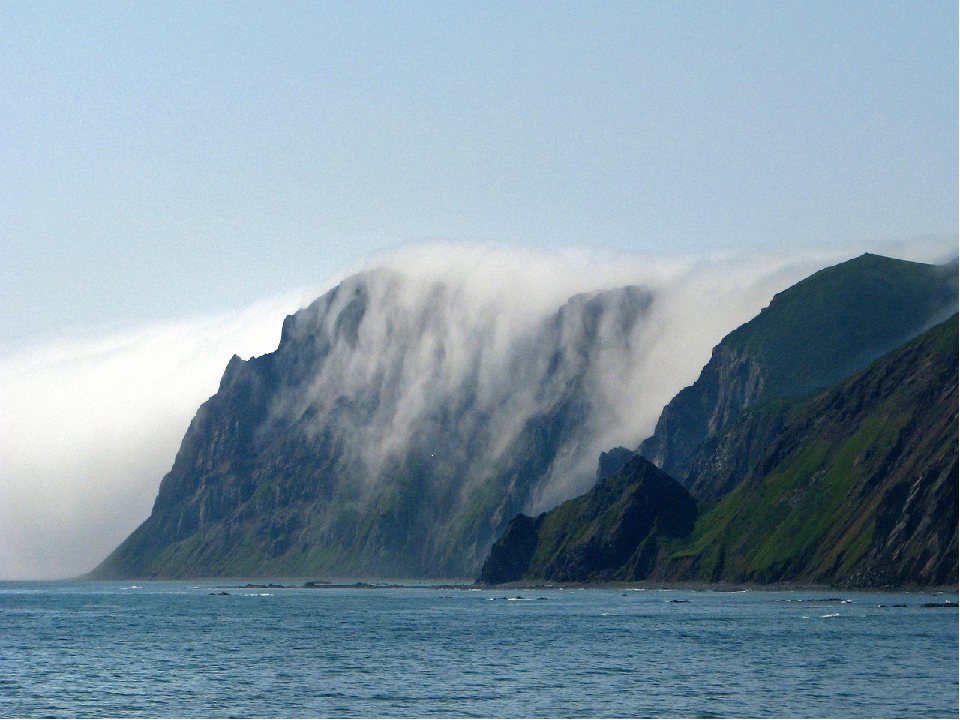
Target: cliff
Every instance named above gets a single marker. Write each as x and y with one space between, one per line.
394 432
855 486
810 336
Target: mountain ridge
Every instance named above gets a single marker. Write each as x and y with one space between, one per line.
810 336
858 488
394 433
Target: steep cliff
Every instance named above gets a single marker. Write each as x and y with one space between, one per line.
812 334
394 432
856 486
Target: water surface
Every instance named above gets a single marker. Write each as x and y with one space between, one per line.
176 649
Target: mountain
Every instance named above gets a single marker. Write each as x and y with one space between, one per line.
396 429
858 486
402 422
614 532
810 336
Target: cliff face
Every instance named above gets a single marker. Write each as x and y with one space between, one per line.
394 432
856 485
858 488
811 335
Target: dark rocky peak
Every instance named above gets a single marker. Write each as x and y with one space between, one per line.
612 461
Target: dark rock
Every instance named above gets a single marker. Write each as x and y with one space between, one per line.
612 461
614 532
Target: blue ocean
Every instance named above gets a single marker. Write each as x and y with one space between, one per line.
187 649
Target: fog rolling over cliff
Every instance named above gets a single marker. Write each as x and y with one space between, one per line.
399 425
411 411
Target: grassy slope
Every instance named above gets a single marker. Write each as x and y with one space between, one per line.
808 511
859 487
811 336
836 321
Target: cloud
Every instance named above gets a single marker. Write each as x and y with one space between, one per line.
88 426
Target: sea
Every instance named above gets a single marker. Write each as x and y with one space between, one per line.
220 649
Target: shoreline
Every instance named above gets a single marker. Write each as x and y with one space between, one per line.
314 583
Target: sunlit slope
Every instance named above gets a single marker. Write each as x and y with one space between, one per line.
858 488
810 336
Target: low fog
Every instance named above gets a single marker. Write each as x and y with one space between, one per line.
89 426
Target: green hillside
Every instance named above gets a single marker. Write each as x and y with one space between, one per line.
812 335
858 487
839 319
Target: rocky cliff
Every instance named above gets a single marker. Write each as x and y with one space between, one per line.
856 485
394 432
811 335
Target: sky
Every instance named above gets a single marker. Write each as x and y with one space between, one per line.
164 159
176 177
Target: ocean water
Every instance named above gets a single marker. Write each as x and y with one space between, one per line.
177 649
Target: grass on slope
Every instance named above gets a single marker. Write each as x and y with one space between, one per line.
808 514
818 331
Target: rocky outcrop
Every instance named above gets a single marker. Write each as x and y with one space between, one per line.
614 532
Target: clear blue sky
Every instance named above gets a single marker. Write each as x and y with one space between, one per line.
160 160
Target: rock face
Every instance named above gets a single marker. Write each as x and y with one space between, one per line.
614 532
856 486
812 335
612 461
393 433
859 487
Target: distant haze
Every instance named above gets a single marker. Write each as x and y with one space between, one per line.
89 425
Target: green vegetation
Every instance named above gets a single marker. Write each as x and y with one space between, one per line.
839 319
857 487
811 336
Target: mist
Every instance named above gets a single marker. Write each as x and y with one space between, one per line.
88 426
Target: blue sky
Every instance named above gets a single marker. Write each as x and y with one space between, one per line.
175 178
163 160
